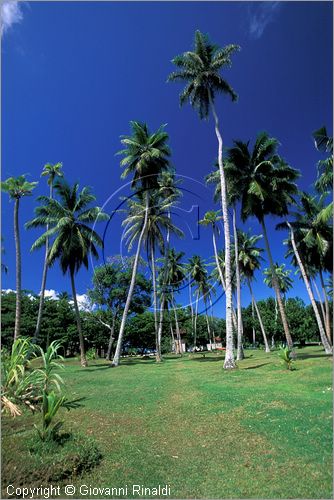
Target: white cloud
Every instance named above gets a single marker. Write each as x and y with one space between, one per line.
84 303
10 14
260 15
51 294
8 290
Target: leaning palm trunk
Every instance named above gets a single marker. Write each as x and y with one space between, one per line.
173 338
191 307
209 330
240 350
321 305
253 328
276 288
229 362
117 355
178 335
83 360
222 280
161 317
254 303
195 321
111 338
156 330
324 339
18 270
327 314
43 286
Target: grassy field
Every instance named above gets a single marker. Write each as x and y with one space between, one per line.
257 432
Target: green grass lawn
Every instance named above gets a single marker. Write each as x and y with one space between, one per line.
257 432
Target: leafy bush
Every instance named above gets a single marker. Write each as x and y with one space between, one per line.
91 354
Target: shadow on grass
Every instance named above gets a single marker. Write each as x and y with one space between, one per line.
312 356
256 366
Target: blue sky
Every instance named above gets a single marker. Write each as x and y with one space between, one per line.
74 74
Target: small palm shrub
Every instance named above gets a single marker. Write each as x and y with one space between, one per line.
286 354
19 384
91 354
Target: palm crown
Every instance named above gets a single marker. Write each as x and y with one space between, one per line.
145 155
52 171
68 219
249 254
201 68
17 187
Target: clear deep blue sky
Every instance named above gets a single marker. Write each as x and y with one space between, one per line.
74 74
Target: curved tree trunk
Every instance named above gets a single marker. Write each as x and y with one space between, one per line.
229 362
111 339
222 280
117 355
266 345
276 288
195 321
253 328
191 307
43 285
178 335
324 339
83 360
321 305
240 350
327 313
156 329
18 269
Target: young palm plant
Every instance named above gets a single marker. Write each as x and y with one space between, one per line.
267 187
201 69
146 155
73 240
51 172
17 188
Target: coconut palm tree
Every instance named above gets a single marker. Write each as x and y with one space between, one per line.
249 261
311 247
158 223
145 156
201 70
73 240
171 277
233 196
324 143
17 188
267 187
51 172
198 275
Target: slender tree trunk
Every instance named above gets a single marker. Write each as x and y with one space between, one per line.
321 305
195 320
111 339
156 330
161 317
253 328
18 270
229 362
267 348
43 286
327 313
191 307
178 335
117 355
324 339
173 338
209 330
222 280
240 350
83 360
276 288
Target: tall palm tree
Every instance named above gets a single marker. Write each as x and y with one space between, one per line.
284 283
267 187
249 261
201 69
171 276
145 155
51 172
73 240
313 233
199 276
158 223
17 188
324 144
233 196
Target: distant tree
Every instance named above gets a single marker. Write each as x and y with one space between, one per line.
17 188
111 283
